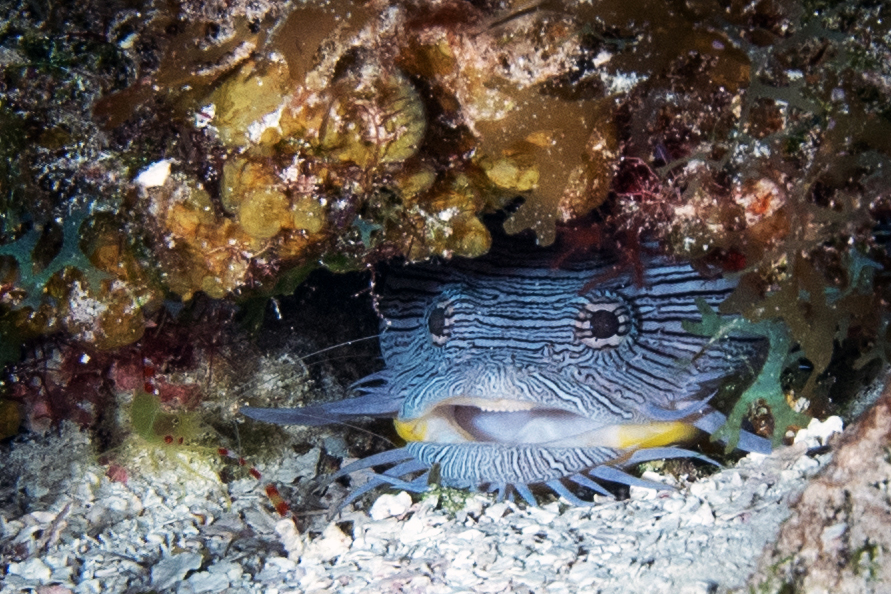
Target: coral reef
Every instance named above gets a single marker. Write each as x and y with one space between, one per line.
223 150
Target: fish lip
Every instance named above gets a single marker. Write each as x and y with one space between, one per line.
512 422
489 420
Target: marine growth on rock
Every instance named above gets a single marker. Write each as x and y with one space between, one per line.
197 153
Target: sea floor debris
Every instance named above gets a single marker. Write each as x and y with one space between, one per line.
174 531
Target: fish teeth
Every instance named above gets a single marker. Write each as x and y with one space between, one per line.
504 406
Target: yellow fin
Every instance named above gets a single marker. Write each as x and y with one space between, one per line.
651 435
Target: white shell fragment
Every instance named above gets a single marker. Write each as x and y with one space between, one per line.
390 506
155 175
172 570
818 432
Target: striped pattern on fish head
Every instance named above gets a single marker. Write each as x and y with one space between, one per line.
528 369
504 372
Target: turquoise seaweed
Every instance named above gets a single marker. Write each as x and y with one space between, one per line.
767 385
70 255
784 329
861 272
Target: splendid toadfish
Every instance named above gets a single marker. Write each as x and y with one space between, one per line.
505 372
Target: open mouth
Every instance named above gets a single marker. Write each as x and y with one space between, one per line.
534 426
514 422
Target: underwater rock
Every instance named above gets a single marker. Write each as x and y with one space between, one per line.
837 539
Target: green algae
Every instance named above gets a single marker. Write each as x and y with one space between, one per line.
33 279
767 387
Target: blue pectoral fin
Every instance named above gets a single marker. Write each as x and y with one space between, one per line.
310 415
370 405
748 442
661 414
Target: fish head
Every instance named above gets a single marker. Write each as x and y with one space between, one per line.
540 356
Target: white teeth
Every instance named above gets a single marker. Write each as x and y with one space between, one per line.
504 406
486 405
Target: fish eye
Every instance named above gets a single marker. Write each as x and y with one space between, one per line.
603 323
438 323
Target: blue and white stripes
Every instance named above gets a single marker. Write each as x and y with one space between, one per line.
505 372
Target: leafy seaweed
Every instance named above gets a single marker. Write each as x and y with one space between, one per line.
767 387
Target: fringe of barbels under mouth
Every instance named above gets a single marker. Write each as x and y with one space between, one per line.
511 469
506 469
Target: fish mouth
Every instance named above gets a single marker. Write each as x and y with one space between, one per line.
515 422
